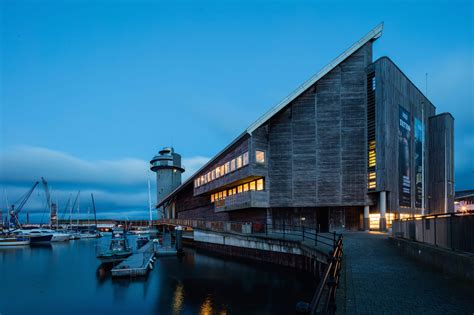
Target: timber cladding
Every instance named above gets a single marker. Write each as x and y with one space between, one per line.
316 146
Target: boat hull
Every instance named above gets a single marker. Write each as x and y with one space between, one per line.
40 239
60 238
14 242
107 258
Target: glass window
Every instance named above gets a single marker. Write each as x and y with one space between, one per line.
222 170
252 185
227 168
218 172
230 192
220 194
260 156
208 177
246 187
239 161
245 158
232 165
213 174
260 184
224 193
212 198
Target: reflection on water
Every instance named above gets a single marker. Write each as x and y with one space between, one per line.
178 298
67 278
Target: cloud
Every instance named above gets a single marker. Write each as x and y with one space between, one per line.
119 186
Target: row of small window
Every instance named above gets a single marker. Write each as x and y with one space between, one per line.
229 167
371 183
253 185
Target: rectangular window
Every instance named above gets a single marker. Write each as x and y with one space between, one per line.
239 161
245 158
259 156
260 184
218 172
212 198
246 187
224 194
213 174
239 189
234 191
220 195
227 168
252 185
230 192
208 177
232 165
222 170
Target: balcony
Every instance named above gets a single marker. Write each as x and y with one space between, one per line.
248 199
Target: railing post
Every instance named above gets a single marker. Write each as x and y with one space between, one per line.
434 223
283 229
316 238
451 230
334 240
303 232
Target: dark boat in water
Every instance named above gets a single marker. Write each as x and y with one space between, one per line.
141 241
118 249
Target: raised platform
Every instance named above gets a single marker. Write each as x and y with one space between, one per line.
136 265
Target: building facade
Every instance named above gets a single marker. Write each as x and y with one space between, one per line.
353 147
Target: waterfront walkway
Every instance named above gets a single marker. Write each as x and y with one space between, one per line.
376 278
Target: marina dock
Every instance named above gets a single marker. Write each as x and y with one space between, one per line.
136 265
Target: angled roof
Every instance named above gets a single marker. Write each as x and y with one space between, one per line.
375 33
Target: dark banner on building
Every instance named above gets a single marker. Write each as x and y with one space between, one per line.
419 135
404 183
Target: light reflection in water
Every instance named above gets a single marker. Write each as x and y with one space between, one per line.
206 306
178 299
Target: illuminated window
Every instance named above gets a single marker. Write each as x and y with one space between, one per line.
260 184
222 170
208 177
239 161
212 198
220 194
213 174
227 168
234 191
230 192
239 189
245 158
232 165
218 172
260 156
252 185
246 187
224 194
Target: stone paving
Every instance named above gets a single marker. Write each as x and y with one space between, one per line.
377 279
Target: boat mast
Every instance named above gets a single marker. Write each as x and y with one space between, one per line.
93 208
78 210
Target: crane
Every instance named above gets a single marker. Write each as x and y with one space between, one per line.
22 201
48 201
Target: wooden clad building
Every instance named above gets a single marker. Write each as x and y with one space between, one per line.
353 147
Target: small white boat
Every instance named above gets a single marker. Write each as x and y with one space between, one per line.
13 240
90 235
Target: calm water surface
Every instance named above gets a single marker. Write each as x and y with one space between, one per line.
68 279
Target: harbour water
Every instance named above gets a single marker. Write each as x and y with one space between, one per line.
68 279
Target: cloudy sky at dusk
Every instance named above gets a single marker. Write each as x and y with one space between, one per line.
91 90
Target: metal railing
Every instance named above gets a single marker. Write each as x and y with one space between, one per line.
448 230
307 234
324 299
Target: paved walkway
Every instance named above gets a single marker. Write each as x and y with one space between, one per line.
377 279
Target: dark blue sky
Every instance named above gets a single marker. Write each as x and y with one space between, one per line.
90 90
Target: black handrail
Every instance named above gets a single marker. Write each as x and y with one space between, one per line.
328 282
